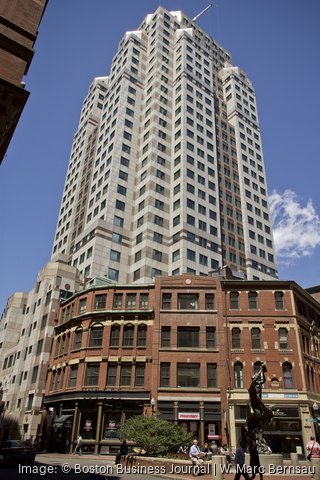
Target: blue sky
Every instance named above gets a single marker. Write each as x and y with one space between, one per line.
275 42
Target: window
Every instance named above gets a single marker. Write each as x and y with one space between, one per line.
253 300
72 383
209 299
117 300
142 336
114 336
165 336
82 305
211 375
125 375
210 337
131 300
139 375
30 401
279 300
166 301
34 374
112 374
188 337
287 375
164 374
113 274
115 256
128 333
236 337
188 301
92 374
255 338
100 301
234 300
238 375
188 375
77 339
283 338
96 336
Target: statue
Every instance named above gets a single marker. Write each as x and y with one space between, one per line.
260 418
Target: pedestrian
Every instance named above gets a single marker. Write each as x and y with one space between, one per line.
214 448
195 454
313 448
207 451
78 445
254 461
224 450
241 468
123 451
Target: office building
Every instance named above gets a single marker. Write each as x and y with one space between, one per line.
166 174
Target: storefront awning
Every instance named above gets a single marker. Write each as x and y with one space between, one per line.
59 421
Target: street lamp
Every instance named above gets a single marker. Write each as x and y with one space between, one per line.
315 408
152 403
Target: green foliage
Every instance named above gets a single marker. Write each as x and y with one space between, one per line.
157 437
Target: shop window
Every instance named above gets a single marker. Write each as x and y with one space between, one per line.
77 339
279 300
166 301
92 374
114 336
234 300
112 374
188 375
255 338
125 375
142 336
128 333
211 375
100 301
188 337
238 375
287 375
283 338
139 375
211 337
165 336
253 300
188 301
96 337
164 374
236 337
72 383
209 299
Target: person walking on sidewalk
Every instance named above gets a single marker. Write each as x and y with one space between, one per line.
254 461
78 445
241 468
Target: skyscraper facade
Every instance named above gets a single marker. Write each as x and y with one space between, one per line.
166 174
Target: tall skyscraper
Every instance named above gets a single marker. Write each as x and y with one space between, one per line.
166 174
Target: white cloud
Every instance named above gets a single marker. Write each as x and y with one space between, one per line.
296 228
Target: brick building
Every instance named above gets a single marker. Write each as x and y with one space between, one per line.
183 348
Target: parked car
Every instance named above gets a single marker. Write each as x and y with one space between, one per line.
17 451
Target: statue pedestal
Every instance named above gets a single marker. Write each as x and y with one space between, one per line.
275 459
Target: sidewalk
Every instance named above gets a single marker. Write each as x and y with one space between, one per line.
165 470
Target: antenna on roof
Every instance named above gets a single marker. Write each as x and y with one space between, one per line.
202 12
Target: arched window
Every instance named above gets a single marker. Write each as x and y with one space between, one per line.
279 300
253 300
283 338
77 339
255 338
142 336
238 375
114 336
234 300
96 336
287 375
236 337
128 333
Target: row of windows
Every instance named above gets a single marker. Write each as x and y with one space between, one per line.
253 300
256 339
287 375
188 375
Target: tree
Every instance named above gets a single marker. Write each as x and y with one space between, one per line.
157 437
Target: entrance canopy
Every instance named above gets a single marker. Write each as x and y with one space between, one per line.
59 421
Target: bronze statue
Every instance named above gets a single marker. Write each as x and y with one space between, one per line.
260 418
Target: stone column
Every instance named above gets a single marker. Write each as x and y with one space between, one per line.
202 423
175 411
74 426
98 430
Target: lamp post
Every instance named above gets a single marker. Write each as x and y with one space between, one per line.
315 408
152 403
